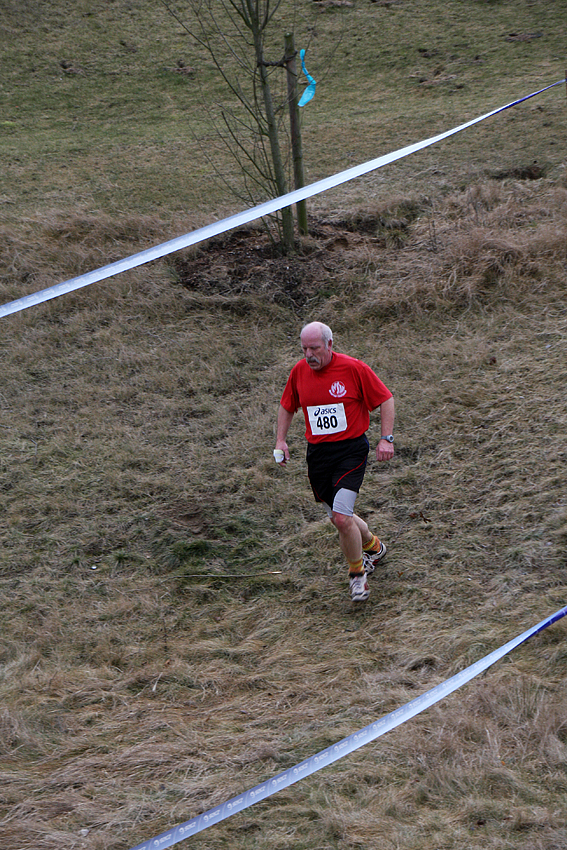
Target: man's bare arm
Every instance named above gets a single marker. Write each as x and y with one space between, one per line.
284 421
384 449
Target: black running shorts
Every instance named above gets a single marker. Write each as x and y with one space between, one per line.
337 465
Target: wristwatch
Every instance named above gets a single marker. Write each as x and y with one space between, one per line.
388 437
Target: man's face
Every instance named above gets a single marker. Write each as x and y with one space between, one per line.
315 351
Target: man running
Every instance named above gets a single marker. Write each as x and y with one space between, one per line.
336 393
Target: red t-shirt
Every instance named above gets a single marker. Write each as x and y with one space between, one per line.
336 400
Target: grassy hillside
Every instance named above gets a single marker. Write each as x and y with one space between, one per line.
97 115
175 621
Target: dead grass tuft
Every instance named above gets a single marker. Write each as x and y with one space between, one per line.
484 245
59 245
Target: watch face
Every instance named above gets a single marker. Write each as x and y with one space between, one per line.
390 438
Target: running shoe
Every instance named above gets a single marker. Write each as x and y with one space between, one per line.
359 590
370 559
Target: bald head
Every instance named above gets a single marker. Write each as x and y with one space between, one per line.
317 344
324 331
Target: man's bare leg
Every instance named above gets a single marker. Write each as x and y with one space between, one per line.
350 537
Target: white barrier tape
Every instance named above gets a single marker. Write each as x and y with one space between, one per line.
341 749
237 220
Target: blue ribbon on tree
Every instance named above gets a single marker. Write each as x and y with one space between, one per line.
310 90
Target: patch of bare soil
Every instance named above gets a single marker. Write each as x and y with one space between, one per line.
248 261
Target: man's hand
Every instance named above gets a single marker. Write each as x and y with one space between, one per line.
384 450
281 454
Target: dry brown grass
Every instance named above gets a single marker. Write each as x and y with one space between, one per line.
152 660
152 664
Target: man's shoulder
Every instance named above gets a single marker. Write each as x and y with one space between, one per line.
347 360
300 367
344 358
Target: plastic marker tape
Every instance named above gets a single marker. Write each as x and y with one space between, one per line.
237 220
342 748
309 92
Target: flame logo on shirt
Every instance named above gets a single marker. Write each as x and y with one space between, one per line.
338 389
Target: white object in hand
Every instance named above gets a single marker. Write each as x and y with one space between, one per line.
279 456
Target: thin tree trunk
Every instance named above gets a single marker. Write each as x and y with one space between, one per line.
287 215
296 146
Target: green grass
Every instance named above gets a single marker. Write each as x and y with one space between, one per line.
121 129
175 624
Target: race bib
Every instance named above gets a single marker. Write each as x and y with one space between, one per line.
327 419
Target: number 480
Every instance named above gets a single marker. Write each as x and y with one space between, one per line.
327 422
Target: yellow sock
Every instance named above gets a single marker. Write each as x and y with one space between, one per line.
373 546
355 568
